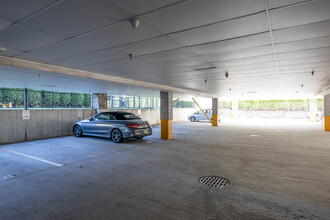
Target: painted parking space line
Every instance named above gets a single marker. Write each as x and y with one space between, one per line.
32 157
93 142
254 135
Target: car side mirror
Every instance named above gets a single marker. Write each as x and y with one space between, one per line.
91 119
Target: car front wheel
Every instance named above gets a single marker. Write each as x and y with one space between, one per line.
116 136
77 131
192 119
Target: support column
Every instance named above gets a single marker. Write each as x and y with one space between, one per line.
166 114
26 101
312 110
215 111
327 112
99 101
235 109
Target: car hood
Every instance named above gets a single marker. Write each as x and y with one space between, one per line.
85 120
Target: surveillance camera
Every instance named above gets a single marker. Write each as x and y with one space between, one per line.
226 74
134 22
2 49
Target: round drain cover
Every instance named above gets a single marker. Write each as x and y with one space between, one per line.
214 181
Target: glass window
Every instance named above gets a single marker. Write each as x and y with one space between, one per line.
77 100
157 103
14 98
143 102
183 104
62 100
105 116
137 102
116 102
34 98
11 98
125 116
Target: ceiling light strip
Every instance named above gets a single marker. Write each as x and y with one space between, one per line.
273 44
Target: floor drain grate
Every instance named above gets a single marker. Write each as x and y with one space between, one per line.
214 181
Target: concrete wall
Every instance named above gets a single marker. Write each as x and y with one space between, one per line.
58 122
42 124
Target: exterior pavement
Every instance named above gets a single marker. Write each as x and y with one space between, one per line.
276 170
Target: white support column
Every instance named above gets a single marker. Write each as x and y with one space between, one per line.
312 109
235 109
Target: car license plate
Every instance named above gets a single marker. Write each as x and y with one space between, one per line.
146 131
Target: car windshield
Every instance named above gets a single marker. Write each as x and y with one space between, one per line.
125 116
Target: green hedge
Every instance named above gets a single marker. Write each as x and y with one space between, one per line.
273 105
14 98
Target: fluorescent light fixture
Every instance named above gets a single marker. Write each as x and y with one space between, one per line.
206 68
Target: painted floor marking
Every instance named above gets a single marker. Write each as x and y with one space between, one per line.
255 135
32 157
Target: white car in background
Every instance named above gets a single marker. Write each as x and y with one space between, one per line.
199 116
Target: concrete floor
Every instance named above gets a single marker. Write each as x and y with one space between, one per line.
276 171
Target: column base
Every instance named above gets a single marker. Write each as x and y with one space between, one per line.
326 123
166 129
234 116
313 117
215 120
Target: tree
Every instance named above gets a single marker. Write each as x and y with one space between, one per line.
34 98
87 100
65 99
13 96
77 100
46 99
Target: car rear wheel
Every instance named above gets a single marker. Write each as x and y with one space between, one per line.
116 136
192 119
77 131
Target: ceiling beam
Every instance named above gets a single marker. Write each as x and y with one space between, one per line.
273 43
14 62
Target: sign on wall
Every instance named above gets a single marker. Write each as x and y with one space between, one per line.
26 114
80 113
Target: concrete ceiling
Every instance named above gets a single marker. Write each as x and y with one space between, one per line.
268 47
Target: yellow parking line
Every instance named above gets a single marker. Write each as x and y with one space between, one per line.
92 142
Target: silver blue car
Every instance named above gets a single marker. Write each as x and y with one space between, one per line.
199 116
114 125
